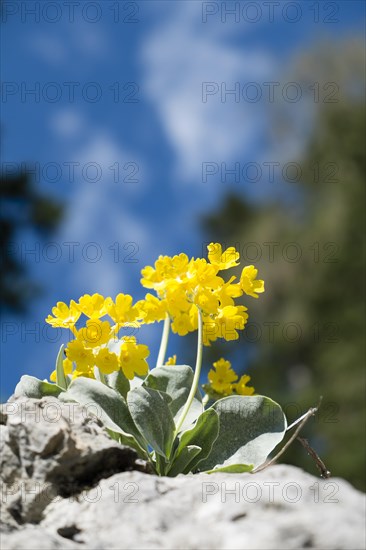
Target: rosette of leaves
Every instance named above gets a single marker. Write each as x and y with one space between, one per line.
234 434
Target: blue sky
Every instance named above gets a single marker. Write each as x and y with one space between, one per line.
157 54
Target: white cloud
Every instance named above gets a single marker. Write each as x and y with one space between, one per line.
67 123
65 44
179 56
99 213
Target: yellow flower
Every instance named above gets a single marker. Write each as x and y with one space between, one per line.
179 283
152 309
183 286
176 299
182 324
222 260
241 387
165 268
228 292
172 360
224 325
249 283
207 301
106 361
222 377
96 333
193 316
149 277
121 310
67 365
64 316
86 373
203 274
82 356
133 358
92 306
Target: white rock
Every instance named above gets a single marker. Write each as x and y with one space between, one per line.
279 508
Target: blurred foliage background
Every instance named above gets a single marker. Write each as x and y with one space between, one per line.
23 207
307 337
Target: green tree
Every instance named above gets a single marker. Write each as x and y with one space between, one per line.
22 208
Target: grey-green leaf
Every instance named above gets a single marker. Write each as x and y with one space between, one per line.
105 403
250 428
29 386
181 464
118 382
151 413
203 434
176 381
60 373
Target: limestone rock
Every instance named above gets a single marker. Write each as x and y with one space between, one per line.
49 448
97 498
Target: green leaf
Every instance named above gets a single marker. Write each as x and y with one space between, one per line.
182 462
118 382
232 469
203 434
176 381
108 405
60 373
250 428
29 386
151 414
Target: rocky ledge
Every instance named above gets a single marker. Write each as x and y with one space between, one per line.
65 484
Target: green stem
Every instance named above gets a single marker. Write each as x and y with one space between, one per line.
196 377
160 464
164 342
205 400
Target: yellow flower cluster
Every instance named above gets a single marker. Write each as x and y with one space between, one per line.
183 288
182 285
97 344
224 380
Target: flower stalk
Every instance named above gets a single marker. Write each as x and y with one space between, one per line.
196 377
164 342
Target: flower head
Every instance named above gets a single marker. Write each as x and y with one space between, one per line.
64 316
92 306
152 309
222 377
132 358
122 311
96 342
222 260
248 282
95 333
223 381
166 268
85 373
79 354
241 387
106 361
185 285
225 324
